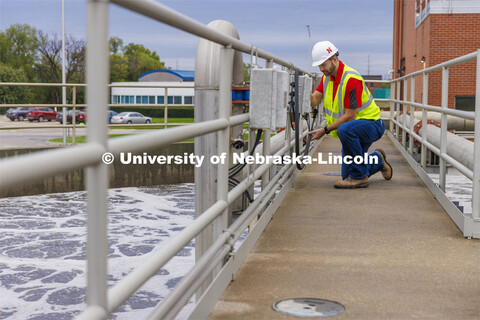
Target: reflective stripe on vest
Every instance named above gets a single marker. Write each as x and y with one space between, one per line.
328 111
340 100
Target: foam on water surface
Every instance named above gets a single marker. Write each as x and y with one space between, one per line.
43 240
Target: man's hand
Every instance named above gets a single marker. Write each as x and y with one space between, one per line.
317 134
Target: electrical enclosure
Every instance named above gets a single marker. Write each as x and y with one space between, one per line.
263 96
281 101
304 91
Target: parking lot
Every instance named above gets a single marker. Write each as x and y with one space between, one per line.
32 135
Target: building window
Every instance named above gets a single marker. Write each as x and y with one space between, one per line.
116 99
122 101
144 99
160 99
188 99
151 99
138 99
174 99
465 103
132 100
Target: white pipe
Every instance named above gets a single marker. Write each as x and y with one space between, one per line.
457 147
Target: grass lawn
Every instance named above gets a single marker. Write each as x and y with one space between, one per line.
158 120
83 139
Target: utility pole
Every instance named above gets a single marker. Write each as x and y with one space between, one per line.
368 72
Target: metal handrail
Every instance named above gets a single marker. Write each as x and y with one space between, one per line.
450 63
469 225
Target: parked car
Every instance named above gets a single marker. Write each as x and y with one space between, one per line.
41 114
17 113
60 117
111 113
131 117
81 117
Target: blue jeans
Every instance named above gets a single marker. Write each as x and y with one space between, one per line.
356 137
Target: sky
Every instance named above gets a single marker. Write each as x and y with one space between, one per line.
362 30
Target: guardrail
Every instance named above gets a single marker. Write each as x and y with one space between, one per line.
101 300
468 223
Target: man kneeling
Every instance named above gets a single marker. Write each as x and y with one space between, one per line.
352 116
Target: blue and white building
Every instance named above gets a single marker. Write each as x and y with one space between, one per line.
150 89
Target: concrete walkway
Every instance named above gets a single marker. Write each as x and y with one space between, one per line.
385 252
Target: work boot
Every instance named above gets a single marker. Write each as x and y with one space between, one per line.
350 183
387 170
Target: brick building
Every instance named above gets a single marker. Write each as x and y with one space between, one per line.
428 32
373 85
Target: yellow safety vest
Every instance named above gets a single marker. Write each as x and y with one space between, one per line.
334 108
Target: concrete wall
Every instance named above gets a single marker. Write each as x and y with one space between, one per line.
120 175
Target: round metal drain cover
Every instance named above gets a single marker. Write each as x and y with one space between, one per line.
309 307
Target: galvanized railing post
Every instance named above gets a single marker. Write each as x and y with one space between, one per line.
476 149
74 118
392 105
443 130
64 123
165 110
423 152
97 175
223 136
398 110
404 108
412 114
266 141
74 102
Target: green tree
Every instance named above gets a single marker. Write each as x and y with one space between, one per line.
49 67
14 94
246 72
140 60
118 65
116 45
18 48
